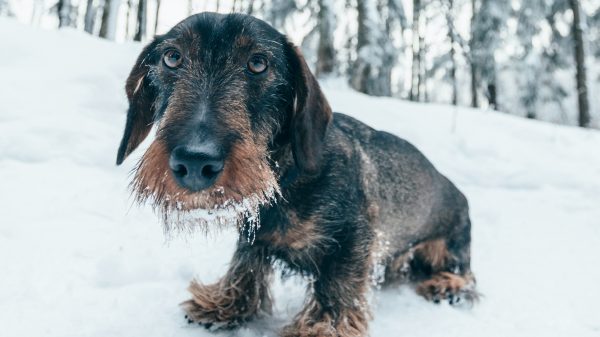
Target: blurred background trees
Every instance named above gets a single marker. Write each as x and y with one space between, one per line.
533 58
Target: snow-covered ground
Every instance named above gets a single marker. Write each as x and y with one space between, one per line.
78 259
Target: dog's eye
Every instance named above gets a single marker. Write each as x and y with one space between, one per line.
172 59
257 64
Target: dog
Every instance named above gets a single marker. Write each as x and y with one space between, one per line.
245 136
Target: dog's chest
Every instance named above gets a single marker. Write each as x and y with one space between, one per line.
288 230
291 238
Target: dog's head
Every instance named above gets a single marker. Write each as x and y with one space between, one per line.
224 91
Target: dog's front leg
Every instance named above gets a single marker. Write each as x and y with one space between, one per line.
241 295
338 306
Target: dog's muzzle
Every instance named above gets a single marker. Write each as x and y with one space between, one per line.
196 167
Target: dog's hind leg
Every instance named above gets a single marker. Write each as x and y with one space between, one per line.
440 268
241 295
454 288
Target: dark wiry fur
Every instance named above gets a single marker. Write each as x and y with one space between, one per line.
348 198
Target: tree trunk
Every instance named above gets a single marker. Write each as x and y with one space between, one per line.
416 48
361 71
250 8
105 19
157 15
423 65
325 50
453 73
451 33
370 73
492 95
128 18
474 98
105 25
60 11
65 11
582 94
90 16
140 32
474 80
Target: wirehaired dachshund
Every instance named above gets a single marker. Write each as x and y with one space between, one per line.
245 137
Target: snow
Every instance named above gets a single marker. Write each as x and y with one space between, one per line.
79 259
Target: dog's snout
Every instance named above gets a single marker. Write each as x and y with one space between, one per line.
196 167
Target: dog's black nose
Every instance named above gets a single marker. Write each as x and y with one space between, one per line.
196 167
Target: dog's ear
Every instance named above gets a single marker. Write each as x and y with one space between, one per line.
141 96
311 114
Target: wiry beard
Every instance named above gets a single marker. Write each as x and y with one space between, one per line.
246 183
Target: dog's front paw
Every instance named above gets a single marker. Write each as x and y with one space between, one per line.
212 319
221 307
317 329
350 323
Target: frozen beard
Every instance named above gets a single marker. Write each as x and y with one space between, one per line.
246 183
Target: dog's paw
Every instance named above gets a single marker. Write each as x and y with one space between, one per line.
211 320
350 324
319 329
456 289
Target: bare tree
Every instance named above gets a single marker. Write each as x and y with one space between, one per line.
250 8
417 48
325 49
581 78
128 17
67 16
374 53
109 18
396 13
423 71
474 79
276 12
157 15
487 34
452 35
594 25
142 10
90 17
104 24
